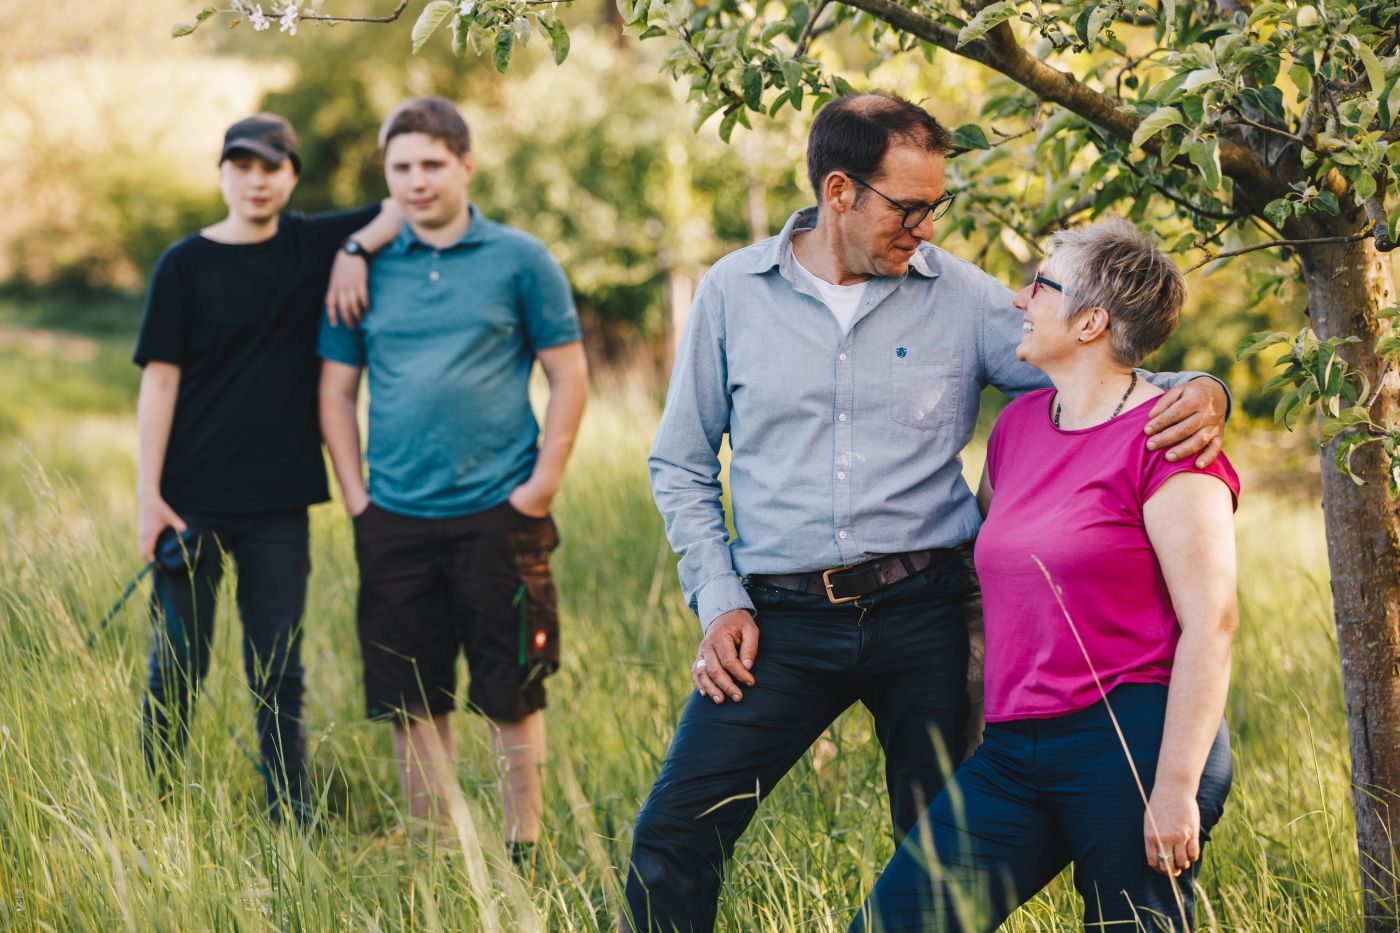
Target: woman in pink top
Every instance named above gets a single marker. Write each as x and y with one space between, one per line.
1108 578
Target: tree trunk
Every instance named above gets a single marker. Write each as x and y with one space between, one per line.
1347 284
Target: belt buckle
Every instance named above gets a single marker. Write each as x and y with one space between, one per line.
826 582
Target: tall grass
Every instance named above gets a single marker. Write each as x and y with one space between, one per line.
85 842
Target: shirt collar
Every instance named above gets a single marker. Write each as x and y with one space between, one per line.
479 230
777 251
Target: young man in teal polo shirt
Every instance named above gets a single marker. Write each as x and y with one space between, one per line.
453 532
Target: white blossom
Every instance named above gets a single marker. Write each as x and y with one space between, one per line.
257 17
289 14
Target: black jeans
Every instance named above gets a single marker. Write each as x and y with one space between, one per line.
272 555
902 652
1038 795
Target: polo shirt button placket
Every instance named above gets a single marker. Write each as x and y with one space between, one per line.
433 274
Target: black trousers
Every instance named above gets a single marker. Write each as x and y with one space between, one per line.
272 555
902 652
1038 795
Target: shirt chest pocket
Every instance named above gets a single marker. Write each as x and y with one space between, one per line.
925 393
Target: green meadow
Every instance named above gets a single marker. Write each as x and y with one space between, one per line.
86 843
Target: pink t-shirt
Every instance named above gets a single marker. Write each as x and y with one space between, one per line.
1074 499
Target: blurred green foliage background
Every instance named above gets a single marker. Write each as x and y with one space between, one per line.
109 135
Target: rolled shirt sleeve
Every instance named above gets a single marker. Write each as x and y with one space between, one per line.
684 465
546 302
340 344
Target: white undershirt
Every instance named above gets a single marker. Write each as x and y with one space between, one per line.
841 300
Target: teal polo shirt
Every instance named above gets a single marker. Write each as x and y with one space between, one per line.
449 343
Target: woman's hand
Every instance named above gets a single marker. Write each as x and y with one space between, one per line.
1171 830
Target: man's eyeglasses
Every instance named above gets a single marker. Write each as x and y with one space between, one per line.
913 216
1048 283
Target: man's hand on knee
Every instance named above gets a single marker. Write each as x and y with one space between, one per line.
726 655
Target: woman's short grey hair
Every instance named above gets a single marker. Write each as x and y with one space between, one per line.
1112 265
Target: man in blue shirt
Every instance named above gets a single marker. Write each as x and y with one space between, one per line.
453 532
844 358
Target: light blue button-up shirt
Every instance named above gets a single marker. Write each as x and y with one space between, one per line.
844 446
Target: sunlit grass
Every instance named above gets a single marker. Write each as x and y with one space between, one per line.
86 844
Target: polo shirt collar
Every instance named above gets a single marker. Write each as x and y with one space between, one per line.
479 230
777 251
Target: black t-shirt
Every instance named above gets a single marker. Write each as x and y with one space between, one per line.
240 320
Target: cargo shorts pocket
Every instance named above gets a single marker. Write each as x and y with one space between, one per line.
535 601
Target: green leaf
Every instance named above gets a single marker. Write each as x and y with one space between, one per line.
521 28
726 126
1327 202
774 30
500 56
1100 15
1205 155
1252 344
1278 211
1388 346
461 31
707 110
1302 80
652 32
970 136
429 20
753 88
1199 78
205 13
1284 411
559 39
1386 313
778 102
1345 448
1365 185
1168 15
181 29
1154 123
792 77
1374 72
1274 10
986 19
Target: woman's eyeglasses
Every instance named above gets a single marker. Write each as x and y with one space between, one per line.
1048 283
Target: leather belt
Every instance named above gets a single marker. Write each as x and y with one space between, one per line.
847 584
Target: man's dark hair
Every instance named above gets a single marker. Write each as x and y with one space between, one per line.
431 116
852 134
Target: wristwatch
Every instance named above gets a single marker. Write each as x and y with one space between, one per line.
353 247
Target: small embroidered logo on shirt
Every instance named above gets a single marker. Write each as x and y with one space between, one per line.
900 352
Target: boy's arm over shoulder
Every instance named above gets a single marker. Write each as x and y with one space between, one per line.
329 229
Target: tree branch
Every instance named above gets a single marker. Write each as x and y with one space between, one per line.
809 31
1241 118
1272 243
1182 202
322 18
1000 51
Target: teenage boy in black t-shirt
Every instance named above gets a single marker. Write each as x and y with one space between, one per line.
229 440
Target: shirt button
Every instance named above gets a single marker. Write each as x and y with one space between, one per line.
433 276
843 357
841 475
841 417
841 535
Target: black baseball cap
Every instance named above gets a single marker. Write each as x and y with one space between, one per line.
267 136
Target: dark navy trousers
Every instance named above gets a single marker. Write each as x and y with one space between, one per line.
902 652
272 555
1037 796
